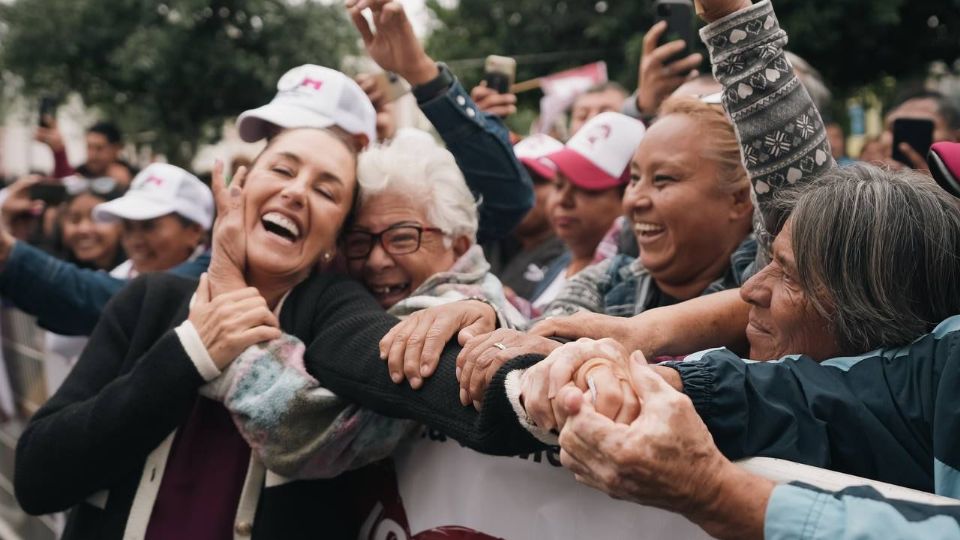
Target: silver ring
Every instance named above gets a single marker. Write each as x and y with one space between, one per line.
500 346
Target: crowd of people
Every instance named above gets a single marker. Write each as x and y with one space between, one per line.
697 273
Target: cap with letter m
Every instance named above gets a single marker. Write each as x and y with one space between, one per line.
598 157
311 96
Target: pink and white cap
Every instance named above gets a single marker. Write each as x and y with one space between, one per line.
311 96
530 150
158 190
598 156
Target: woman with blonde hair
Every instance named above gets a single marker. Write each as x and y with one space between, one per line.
689 205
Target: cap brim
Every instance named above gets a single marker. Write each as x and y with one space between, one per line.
132 207
539 168
259 123
582 172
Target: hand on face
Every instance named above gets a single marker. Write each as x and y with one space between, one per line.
660 76
229 252
394 46
483 355
231 322
541 384
412 348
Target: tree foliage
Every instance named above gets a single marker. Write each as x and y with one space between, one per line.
852 42
170 71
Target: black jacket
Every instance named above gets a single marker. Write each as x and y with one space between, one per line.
134 384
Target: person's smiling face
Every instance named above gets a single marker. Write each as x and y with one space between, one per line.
783 320
298 194
391 277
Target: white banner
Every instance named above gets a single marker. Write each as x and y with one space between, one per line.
449 492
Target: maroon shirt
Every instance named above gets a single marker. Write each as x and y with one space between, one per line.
203 479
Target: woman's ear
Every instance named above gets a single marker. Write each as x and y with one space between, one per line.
741 204
461 245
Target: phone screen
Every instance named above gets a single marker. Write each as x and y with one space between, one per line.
917 132
679 15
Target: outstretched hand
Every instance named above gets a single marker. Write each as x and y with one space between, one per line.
229 244
391 42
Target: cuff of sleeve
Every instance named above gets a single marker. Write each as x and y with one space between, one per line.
512 386
799 513
714 34
197 352
453 113
698 384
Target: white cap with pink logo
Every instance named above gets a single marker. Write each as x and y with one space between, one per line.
158 190
530 150
311 96
598 157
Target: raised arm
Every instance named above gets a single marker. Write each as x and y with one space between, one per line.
782 137
478 141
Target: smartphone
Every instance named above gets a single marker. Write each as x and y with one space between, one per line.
48 110
51 194
917 132
680 18
500 72
391 85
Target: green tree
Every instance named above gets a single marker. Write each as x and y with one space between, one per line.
169 72
852 42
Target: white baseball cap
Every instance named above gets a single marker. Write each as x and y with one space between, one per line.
158 190
598 156
311 96
530 150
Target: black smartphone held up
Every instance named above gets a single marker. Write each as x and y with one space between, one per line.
680 18
48 110
500 72
917 132
51 194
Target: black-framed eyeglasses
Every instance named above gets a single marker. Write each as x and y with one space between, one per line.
398 239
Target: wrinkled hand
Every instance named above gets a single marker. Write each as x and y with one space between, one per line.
492 102
228 258
665 458
480 359
50 136
394 46
583 324
231 322
658 78
540 385
412 348
717 9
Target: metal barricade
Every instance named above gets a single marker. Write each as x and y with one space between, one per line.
23 389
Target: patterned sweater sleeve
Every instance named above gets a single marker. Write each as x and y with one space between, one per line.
583 291
782 137
298 428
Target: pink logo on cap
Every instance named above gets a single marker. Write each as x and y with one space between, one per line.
312 82
599 133
152 179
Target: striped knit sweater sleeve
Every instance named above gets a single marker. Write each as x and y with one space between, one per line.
782 137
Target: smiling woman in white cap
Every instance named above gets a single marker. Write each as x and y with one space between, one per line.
592 173
165 214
